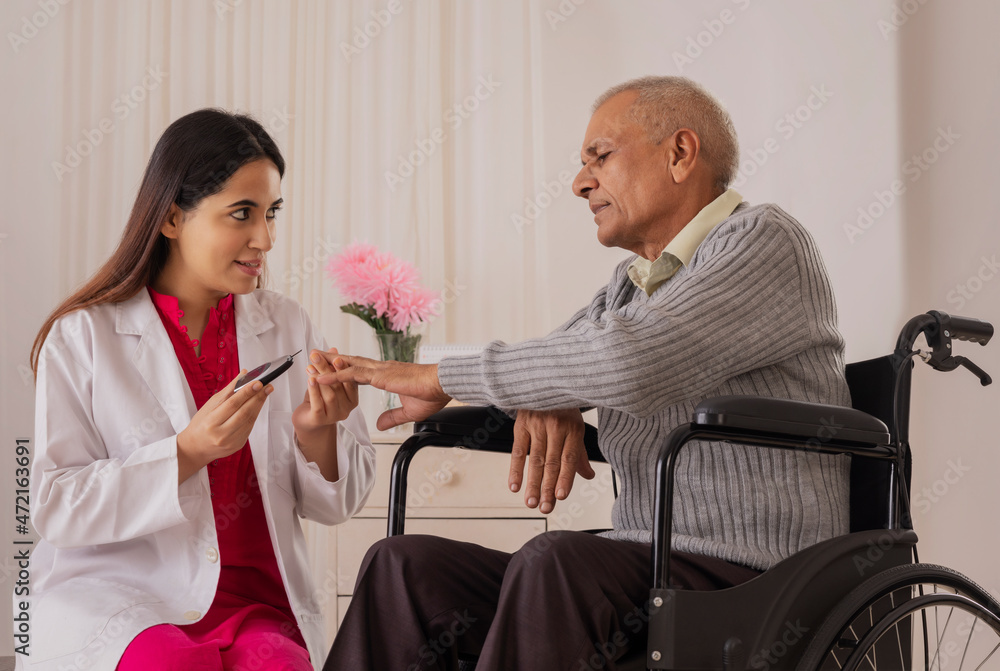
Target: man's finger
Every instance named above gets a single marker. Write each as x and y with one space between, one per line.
360 374
536 466
332 355
518 453
550 476
574 460
391 418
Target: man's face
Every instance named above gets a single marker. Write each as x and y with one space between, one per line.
624 177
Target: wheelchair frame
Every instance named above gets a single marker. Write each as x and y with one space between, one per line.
741 627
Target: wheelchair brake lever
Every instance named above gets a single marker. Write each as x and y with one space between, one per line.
949 363
984 377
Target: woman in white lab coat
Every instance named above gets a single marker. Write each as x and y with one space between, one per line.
167 504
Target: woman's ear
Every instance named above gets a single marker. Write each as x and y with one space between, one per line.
171 225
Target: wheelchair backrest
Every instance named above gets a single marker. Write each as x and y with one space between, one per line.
872 384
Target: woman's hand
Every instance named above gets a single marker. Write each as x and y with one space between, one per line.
220 428
325 404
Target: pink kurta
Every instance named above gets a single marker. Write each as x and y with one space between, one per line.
250 623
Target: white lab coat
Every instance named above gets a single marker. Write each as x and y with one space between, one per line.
123 547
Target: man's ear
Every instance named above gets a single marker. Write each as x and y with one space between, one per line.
683 149
171 225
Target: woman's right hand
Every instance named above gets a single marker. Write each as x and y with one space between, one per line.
220 427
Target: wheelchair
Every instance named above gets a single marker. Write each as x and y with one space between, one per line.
861 601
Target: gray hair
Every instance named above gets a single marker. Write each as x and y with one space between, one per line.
666 104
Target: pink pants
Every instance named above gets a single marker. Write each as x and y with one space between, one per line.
248 639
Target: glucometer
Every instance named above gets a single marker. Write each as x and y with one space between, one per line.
266 372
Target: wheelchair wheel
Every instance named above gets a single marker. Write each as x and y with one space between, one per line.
917 616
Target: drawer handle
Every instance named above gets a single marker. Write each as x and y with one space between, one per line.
442 476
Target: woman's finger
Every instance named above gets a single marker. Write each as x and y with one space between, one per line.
238 399
226 392
313 389
330 392
351 391
246 413
319 361
327 392
350 388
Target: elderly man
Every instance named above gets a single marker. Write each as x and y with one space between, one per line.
722 297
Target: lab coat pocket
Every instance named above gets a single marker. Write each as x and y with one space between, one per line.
71 616
281 451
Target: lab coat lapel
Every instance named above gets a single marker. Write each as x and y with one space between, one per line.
251 321
162 374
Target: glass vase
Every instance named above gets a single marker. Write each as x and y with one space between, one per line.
396 347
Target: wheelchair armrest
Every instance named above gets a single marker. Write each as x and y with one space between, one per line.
792 419
765 422
475 428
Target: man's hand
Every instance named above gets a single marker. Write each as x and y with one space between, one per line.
420 392
552 441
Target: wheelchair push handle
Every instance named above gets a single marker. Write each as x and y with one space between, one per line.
939 328
964 328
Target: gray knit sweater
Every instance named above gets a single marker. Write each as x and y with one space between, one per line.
753 313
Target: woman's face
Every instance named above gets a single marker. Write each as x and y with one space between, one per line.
218 248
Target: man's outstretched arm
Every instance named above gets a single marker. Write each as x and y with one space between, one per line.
548 445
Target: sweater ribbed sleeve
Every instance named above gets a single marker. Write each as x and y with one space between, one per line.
753 313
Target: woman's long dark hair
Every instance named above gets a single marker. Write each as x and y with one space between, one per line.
193 159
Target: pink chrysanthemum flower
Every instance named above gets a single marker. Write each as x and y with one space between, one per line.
382 290
353 272
412 307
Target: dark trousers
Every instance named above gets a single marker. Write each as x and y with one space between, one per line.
567 600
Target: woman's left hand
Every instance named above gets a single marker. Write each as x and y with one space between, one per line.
324 404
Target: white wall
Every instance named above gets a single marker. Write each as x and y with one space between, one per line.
950 61
28 263
890 92
763 66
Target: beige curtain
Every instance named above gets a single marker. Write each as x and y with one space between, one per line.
395 118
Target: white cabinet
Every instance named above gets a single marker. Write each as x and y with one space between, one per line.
452 492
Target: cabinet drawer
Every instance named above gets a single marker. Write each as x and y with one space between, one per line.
441 477
356 536
342 603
